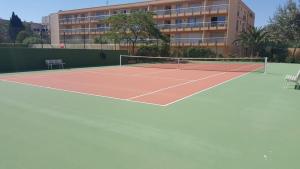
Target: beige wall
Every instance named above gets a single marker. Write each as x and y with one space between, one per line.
291 50
54 28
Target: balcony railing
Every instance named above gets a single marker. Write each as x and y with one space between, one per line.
198 41
77 41
219 24
174 41
85 30
193 25
99 17
178 11
192 10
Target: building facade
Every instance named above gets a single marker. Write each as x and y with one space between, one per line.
213 24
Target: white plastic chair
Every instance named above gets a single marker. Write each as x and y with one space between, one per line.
294 79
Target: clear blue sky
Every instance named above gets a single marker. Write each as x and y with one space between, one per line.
33 10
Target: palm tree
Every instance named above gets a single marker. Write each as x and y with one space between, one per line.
254 40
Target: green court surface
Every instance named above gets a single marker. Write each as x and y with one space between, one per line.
249 123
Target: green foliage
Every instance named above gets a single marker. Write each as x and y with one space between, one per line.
154 50
284 27
24 59
15 26
165 50
199 53
113 37
134 27
193 52
4 31
100 40
275 51
255 40
151 50
32 40
21 36
13 45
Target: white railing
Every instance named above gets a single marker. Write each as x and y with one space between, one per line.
77 41
192 25
85 30
192 10
176 41
159 26
199 41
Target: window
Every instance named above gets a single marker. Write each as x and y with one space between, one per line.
251 14
178 21
192 20
167 22
178 6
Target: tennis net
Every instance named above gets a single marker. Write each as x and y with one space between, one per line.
205 64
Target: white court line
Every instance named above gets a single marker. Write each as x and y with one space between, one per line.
185 83
154 73
177 85
81 93
137 75
133 101
204 90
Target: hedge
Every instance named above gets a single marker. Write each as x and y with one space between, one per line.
26 59
11 45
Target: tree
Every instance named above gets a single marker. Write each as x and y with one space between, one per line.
32 40
100 40
134 27
15 26
115 38
198 53
285 25
254 40
21 36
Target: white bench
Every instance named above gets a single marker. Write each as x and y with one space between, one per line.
295 79
55 62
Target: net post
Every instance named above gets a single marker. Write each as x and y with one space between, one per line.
178 63
120 60
266 64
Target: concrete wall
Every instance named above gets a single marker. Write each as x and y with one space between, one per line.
54 28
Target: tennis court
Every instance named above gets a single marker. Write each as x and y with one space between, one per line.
157 81
250 122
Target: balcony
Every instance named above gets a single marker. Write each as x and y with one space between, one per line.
85 30
212 41
193 26
78 20
192 11
98 18
74 20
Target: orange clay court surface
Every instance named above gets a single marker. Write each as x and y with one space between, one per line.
155 86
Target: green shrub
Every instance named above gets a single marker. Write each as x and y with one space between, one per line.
101 40
32 40
177 52
198 53
165 50
152 50
12 45
21 36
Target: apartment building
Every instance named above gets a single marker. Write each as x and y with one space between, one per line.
213 24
